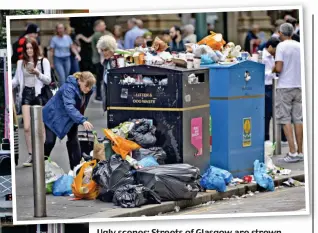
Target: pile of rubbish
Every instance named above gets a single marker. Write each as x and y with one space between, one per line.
133 175
134 172
211 49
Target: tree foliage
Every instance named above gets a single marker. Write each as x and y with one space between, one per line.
3 14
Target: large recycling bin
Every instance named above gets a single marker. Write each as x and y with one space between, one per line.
179 109
237 108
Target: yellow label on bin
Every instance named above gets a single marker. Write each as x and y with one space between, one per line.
247 132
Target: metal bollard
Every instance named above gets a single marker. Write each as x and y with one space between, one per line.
39 191
61 228
56 228
277 128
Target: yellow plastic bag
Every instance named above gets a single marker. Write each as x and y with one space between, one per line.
83 186
215 41
121 146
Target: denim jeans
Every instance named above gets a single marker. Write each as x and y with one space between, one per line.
74 65
63 67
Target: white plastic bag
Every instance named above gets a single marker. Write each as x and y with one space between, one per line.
52 171
269 149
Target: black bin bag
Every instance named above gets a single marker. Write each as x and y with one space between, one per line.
172 181
131 196
157 152
143 133
112 174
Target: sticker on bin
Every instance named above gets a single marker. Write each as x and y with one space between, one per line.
187 98
124 93
196 135
247 133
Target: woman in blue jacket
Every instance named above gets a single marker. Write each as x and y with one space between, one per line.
65 112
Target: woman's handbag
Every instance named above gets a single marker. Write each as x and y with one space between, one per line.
48 91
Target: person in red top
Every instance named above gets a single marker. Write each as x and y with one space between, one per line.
32 31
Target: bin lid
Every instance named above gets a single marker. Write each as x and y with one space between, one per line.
152 69
5 152
233 65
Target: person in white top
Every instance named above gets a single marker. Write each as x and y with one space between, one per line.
33 72
289 94
269 62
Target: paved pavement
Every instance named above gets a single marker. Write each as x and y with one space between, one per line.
63 207
284 199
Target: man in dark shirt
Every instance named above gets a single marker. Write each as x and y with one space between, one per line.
252 41
176 44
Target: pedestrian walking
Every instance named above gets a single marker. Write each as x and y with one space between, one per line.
277 27
61 46
33 72
252 40
131 35
189 36
107 46
289 92
65 112
118 34
100 30
269 61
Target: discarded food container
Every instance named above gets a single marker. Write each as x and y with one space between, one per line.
248 179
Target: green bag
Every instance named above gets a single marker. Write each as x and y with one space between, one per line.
49 188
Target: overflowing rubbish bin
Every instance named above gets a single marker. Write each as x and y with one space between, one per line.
175 100
237 108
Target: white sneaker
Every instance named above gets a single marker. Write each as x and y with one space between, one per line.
300 157
291 158
28 162
284 143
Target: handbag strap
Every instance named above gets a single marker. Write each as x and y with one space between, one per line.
42 65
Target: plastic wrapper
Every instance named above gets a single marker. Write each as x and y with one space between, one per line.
157 152
131 196
171 182
261 177
148 162
49 188
80 188
206 60
52 171
213 181
63 186
220 55
215 41
159 45
120 146
216 179
226 175
112 174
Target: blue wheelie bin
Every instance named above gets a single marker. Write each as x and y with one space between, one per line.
237 111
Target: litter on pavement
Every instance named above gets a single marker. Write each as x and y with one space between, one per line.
126 168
